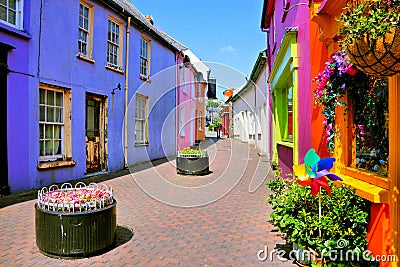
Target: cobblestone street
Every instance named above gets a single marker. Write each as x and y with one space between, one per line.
229 231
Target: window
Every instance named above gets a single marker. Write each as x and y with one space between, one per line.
289 101
11 12
370 127
144 58
185 90
283 112
200 120
182 121
54 123
114 42
85 31
141 123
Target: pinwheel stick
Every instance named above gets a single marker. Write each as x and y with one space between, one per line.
319 211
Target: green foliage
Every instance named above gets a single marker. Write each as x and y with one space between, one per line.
344 217
374 18
191 152
217 123
211 103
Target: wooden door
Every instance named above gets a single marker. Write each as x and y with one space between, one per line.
93 133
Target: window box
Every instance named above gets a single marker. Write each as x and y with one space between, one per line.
55 164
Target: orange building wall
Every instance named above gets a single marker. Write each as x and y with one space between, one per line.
379 231
319 55
379 228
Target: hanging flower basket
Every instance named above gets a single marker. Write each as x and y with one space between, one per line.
74 222
370 35
378 57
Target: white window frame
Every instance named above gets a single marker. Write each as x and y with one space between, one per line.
145 48
45 107
182 121
114 44
141 117
184 81
19 7
200 121
88 30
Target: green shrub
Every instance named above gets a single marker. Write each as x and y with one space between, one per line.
344 219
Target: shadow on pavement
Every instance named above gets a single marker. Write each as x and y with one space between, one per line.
122 235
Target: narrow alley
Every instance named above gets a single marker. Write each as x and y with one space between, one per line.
233 230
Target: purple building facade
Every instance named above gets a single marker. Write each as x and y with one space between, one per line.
71 69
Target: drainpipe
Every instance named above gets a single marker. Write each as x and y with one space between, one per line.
126 91
177 102
255 116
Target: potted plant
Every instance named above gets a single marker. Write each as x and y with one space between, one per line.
341 229
192 161
371 35
74 222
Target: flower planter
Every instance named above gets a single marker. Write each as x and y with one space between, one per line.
378 57
192 165
74 227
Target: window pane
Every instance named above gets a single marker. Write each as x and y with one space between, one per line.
57 131
41 148
42 113
59 115
48 148
12 4
50 114
3 13
42 96
50 97
48 131
59 99
41 131
3 2
11 17
57 147
371 127
80 21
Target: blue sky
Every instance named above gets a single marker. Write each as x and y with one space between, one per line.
224 32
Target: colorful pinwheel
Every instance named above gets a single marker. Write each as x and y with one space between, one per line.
314 172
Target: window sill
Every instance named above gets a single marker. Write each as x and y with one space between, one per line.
139 145
146 79
284 143
118 70
367 177
19 33
366 190
55 164
82 57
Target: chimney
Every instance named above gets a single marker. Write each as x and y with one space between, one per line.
149 19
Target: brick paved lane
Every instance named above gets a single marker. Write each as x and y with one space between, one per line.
210 220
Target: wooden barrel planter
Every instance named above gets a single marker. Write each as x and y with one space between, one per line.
377 57
192 163
75 222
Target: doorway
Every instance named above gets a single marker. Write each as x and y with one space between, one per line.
4 183
96 129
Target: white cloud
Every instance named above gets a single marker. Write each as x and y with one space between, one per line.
227 48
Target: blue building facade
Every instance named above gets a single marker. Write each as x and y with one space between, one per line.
85 63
